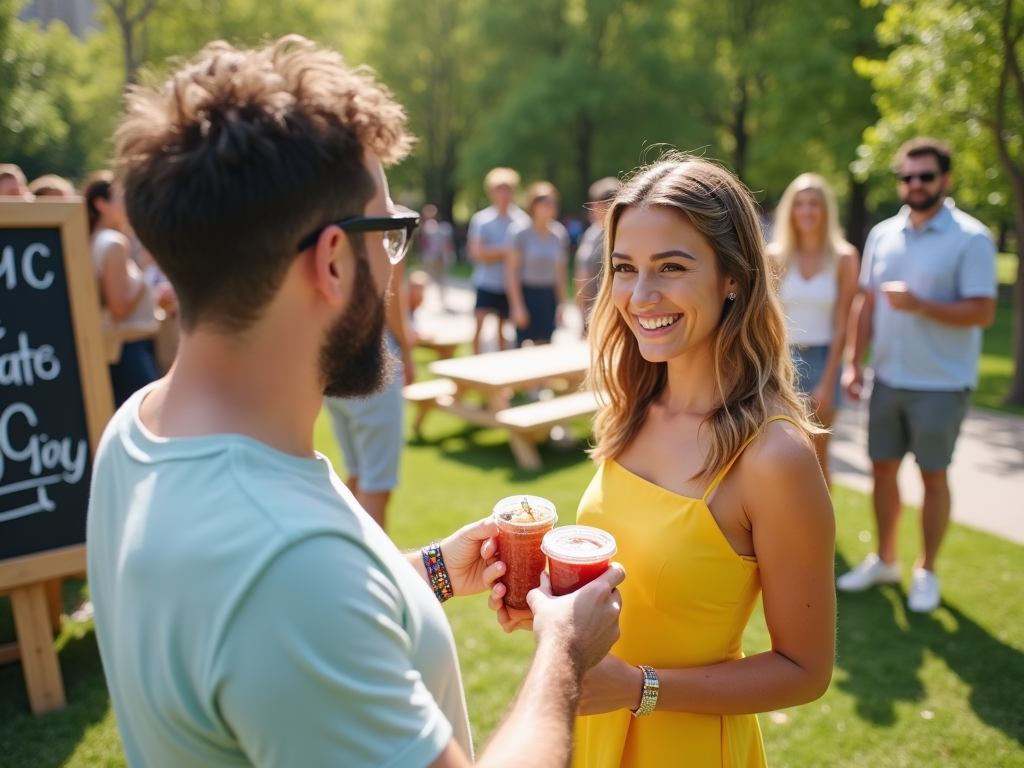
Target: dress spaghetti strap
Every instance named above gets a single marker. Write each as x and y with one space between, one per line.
727 467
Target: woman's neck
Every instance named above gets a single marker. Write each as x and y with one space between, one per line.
810 242
690 387
104 223
541 226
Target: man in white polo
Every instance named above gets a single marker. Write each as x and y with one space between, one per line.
928 287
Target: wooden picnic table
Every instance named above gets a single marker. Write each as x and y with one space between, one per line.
493 375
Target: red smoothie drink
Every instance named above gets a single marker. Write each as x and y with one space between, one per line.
577 554
522 523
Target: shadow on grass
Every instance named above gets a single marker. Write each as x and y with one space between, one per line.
882 647
488 449
48 740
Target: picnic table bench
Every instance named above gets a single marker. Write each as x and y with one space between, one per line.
493 375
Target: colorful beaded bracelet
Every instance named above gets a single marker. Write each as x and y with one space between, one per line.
436 572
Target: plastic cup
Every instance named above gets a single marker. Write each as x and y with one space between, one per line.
519 539
577 554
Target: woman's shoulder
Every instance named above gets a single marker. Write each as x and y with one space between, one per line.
105 238
782 447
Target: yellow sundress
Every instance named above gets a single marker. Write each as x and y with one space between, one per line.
686 600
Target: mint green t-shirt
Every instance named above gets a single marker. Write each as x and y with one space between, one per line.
249 612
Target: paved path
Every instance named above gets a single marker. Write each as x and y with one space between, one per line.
987 476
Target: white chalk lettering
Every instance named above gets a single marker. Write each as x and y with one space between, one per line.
7 267
9 270
40 451
26 364
26 267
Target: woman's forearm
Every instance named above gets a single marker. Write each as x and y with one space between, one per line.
758 683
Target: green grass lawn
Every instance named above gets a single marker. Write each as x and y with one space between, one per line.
908 690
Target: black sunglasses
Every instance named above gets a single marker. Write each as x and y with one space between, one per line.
397 231
926 178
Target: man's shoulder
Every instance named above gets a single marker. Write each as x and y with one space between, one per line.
887 226
968 224
483 216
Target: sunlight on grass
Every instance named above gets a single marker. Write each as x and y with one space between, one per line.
908 690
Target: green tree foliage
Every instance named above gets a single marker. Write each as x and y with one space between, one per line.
426 50
39 108
955 72
573 90
784 96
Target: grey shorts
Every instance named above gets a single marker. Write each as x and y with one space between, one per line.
371 433
923 423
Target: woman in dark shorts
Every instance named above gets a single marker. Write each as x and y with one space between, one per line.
536 267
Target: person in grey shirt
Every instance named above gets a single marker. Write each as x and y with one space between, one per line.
535 268
934 268
488 247
590 253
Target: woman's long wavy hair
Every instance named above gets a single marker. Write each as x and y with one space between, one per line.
784 236
751 363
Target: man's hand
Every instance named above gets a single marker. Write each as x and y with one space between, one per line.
610 686
586 622
471 558
853 382
900 296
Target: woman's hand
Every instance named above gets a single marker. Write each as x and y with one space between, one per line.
408 367
471 558
821 396
610 686
510 619
520 317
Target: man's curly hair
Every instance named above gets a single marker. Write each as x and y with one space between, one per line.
241 153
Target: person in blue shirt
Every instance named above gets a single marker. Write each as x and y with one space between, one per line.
927 289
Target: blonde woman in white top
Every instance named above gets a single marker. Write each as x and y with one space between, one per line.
818 272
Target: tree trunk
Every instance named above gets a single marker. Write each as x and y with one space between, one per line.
584 142
739 129
1016 395
857 213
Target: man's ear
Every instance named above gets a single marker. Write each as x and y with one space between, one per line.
333 265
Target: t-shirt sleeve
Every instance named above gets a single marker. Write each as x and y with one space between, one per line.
517 236
866 265
976 273
474 227
563 242
315 668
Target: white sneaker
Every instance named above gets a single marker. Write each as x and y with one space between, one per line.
924 592
869 573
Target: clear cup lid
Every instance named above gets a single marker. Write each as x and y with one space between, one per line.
579 544
513 510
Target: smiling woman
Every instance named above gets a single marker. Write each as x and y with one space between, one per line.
707 479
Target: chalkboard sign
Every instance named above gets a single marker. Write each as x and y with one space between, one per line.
54 387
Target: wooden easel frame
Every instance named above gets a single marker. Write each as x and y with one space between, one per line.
26 578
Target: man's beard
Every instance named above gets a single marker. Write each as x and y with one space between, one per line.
354 359
924 204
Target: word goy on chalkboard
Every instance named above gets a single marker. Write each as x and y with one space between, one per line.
44 446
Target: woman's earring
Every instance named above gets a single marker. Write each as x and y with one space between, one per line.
732 296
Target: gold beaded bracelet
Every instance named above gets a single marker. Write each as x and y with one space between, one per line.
650 695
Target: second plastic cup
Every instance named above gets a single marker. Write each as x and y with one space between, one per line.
519 538
577 554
